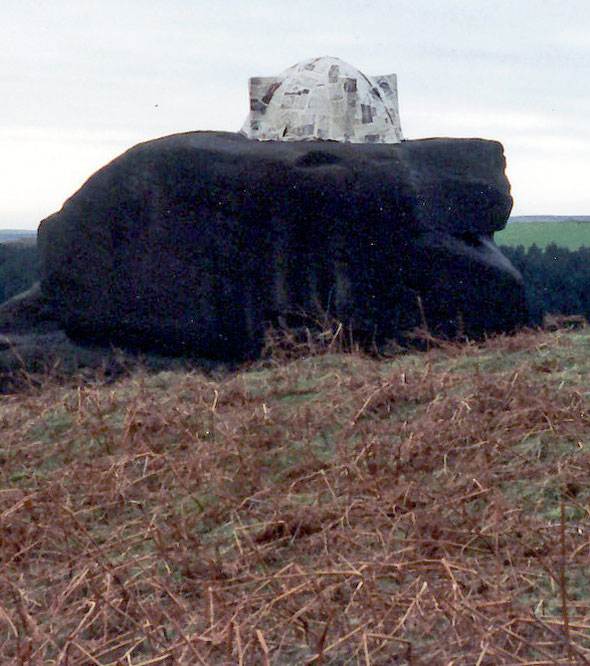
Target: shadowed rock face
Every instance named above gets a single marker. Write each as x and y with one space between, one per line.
196 242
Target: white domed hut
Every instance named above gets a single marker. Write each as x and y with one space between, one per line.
324 98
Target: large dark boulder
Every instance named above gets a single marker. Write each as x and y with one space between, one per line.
196 242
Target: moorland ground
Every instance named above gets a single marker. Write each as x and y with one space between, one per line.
320 507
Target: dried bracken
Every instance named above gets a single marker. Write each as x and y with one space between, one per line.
327 508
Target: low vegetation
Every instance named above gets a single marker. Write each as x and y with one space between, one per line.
321 507
19 267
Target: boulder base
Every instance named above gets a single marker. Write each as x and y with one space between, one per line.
194 243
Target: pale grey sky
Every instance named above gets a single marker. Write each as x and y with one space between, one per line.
83 80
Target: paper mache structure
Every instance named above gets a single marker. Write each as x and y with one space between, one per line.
324 98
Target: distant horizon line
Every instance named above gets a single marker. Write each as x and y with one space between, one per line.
551 218
537 216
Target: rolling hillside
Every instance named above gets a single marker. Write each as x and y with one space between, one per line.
321 507
571 233
16 234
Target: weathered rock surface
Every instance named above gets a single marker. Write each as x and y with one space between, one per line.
196 242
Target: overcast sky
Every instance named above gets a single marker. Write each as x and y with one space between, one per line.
83 80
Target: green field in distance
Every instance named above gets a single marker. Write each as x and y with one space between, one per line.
571 234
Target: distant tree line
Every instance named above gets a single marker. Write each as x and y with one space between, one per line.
19 268
557 280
